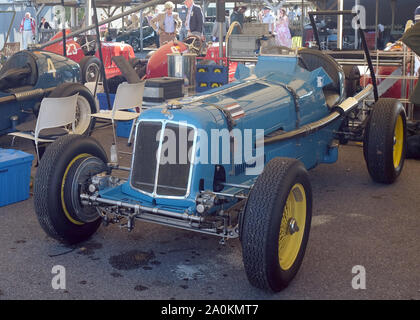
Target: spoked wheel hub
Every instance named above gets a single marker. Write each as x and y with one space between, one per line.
92 72
398 141
294 215
293 227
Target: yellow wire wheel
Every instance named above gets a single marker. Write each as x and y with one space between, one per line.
292 226
274 226
398 142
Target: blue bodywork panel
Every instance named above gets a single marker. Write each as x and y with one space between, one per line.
279 97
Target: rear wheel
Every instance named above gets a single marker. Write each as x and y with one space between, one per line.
64 172
85 105
385 141
135 43
275 225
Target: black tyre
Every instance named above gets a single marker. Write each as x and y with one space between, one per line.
56 180
85 105
90 67
385 141
276 223
135 43
352 80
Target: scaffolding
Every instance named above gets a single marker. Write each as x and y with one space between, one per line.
403 61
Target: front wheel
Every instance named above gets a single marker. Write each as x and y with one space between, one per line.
275 224
64 172
385 142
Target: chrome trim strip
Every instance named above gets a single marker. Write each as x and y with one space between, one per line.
346 106
159 154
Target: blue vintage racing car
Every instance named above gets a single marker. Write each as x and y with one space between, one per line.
282 118
28 76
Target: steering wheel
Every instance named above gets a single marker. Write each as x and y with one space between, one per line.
195 44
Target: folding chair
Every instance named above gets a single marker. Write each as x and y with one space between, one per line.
128 96
53 113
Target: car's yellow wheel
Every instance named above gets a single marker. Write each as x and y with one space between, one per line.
292 226
275 224
398 142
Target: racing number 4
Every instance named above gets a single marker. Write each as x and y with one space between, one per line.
50 66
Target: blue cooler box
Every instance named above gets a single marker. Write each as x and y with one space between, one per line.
123 127
103 103
15 175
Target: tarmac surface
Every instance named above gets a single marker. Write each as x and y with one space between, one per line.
356 222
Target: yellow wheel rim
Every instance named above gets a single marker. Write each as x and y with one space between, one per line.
215 85
201 70
217 71
398 142
292 226
63 203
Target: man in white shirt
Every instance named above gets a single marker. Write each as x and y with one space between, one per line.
268 18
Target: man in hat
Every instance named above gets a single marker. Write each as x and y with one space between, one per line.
27 28
411 38
268 18
167 24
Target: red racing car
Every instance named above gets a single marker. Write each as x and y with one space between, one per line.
83 50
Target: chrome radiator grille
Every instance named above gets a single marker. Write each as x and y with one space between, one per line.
170 176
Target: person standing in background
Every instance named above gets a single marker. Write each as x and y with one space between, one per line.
268 18
411 38
215 30
380 40
27 28
283 36
238 16
167 24
194 21
183 15
44 24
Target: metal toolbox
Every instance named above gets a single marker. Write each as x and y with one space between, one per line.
161 89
